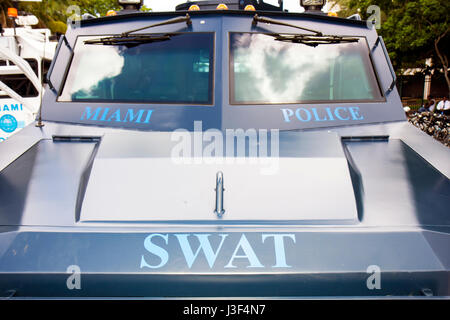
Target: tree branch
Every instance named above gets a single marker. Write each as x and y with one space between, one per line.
443 58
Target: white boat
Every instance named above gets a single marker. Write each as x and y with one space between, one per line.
25 55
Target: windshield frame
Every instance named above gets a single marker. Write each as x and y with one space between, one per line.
80 39
221 115
233 102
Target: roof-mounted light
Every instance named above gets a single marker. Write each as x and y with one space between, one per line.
249 7
312 5
131 4
332 14
222 6
111 13
194 7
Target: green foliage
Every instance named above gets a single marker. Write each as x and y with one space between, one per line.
54 13
96 7
4 5
413 30
409 27
146 9
57 26
343 6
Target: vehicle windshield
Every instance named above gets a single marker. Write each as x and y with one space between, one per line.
178 70
264 70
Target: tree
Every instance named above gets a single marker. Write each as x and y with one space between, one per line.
342 6
413 30
146 9
4 5
54 14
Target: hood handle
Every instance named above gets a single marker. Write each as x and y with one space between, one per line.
219 194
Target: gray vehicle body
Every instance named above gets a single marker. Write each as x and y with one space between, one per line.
360 206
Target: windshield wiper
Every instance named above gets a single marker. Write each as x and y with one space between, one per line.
131 40
312 40
257 19
307 39
186 19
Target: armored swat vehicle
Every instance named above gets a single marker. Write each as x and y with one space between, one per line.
223 150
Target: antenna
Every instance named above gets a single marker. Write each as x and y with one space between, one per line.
39 123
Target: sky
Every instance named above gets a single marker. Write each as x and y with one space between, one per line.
169 5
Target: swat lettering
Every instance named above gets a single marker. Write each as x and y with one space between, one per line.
243 247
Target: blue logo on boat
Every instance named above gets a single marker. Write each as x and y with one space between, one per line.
8 123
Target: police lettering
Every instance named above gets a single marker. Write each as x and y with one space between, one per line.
322 114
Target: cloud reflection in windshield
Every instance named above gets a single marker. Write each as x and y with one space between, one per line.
281 70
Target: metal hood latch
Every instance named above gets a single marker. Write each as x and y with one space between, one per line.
219 194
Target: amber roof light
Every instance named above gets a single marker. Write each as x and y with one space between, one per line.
222 6
194 7
12 12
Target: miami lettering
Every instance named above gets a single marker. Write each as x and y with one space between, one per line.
11 107
117 115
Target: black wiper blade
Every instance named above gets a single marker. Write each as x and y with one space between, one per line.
314 40
307 39
186 19
129 41
257 19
